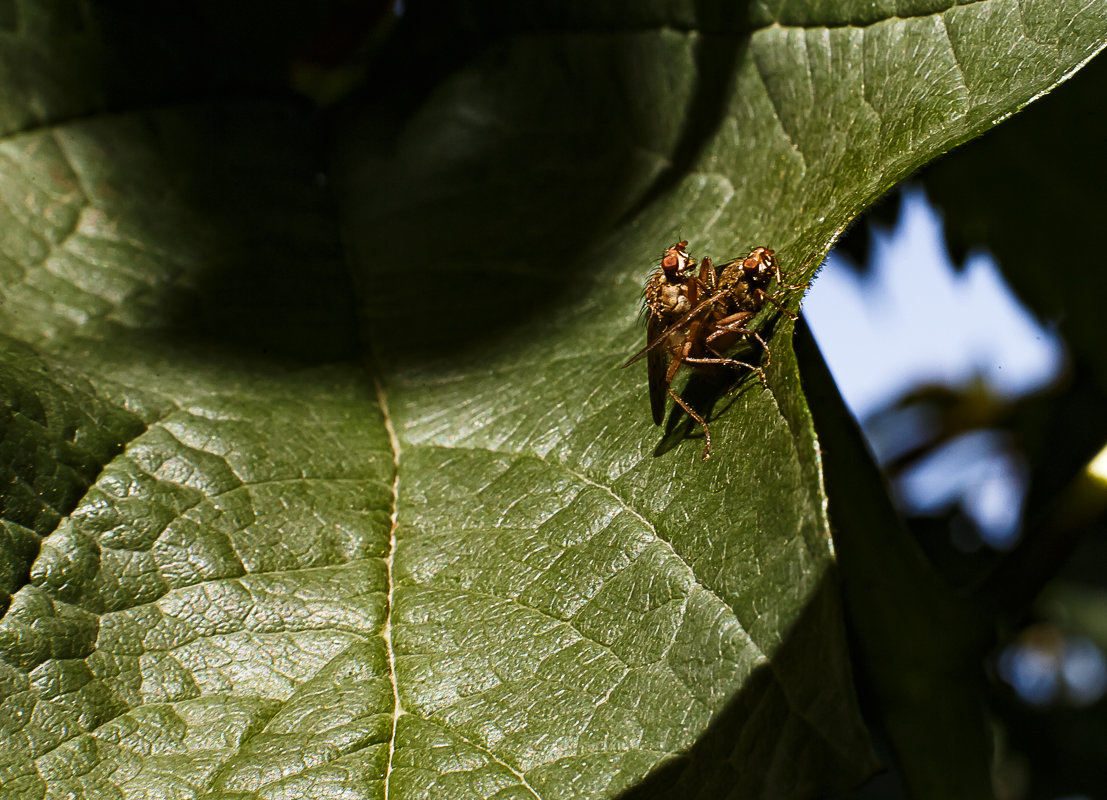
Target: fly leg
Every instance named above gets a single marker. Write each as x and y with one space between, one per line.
736 324
780 280
732 362
772 299
726 329
681 357
703 423
783 287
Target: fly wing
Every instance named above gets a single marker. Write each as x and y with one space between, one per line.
655 334
657 363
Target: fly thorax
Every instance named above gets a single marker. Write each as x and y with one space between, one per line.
675 300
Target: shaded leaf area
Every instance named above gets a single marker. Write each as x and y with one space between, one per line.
57 434
67 59
575 604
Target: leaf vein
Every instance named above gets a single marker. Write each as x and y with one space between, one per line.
386 628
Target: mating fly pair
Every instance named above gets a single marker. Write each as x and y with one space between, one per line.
693 317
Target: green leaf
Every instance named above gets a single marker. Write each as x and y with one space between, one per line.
267 555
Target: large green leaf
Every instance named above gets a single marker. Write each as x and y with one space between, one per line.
259 555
